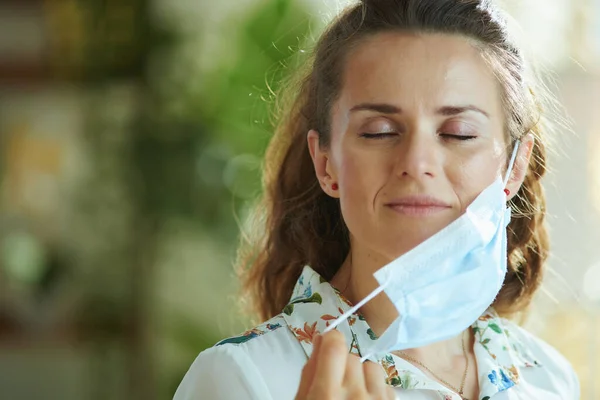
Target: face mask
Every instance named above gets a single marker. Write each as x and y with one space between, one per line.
445 283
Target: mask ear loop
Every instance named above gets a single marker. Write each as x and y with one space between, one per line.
351 311
511 164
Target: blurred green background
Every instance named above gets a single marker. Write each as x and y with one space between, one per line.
131 138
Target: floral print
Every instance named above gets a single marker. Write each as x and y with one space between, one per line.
306 334
328 318
252 333
391 373
502 382
505 355
315 305
307 297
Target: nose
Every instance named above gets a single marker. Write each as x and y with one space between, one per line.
418 157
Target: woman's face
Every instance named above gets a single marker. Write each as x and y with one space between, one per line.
417 133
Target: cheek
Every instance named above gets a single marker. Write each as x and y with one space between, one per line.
361 176
472 175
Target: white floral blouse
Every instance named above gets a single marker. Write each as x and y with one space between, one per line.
266 362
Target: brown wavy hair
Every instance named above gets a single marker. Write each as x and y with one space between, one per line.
297 224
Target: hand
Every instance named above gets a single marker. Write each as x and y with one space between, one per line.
333 373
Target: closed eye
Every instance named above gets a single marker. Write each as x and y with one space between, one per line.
450 136
381 135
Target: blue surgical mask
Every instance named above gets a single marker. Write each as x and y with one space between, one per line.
445 283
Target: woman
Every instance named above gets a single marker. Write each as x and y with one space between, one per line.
408 112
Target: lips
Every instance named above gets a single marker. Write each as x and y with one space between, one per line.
418 205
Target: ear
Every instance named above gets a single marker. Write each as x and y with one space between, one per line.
322 163
521 165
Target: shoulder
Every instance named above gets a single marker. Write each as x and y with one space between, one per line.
218 373
555 367
262 363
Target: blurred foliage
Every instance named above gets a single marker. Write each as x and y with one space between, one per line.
236 98
203 161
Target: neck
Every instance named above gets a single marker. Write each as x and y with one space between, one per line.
355 281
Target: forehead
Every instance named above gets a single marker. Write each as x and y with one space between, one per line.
418 72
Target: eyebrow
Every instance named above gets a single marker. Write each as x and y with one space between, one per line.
392 109
454 110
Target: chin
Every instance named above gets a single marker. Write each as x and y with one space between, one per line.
403 242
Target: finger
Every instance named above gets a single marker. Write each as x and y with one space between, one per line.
390 393
354 378
331 364
375 378
308 372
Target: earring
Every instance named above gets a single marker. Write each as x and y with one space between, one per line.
334 186
507 192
